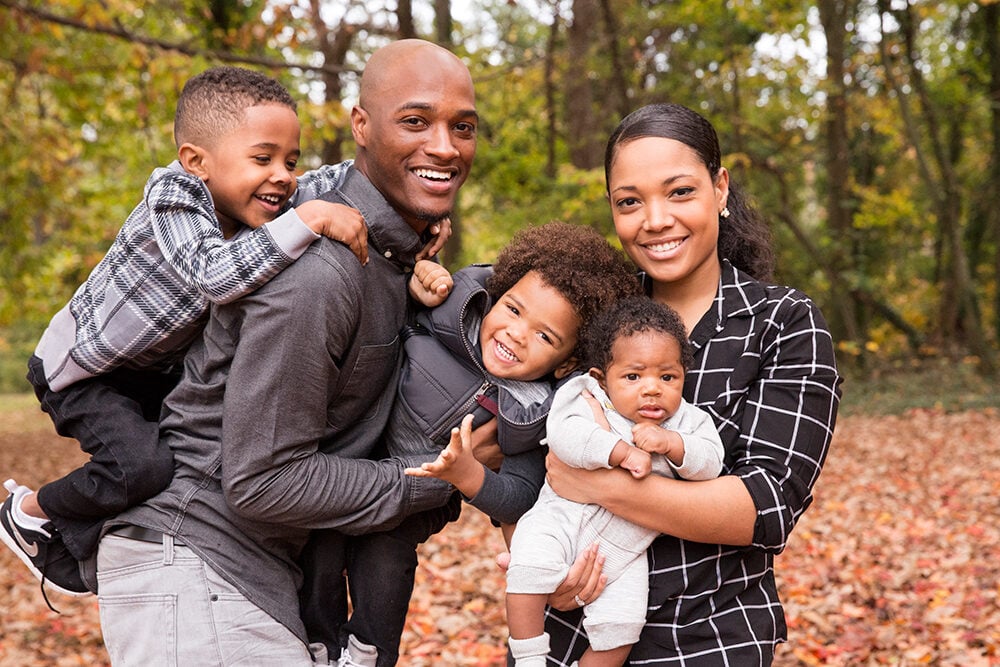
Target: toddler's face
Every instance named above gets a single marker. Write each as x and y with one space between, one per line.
645 379
531 331
250 170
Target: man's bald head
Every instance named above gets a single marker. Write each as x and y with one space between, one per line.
406 54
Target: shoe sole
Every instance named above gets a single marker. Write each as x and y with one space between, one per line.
24 558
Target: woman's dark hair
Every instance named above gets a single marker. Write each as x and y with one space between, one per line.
744 238
628 317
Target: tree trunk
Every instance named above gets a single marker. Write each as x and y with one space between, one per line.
551 113
586 145
960 323
443 23
334 48
404 16
990 13
833 17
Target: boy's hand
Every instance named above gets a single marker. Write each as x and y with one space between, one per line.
338 222
440 233
430 283
456 464
637 462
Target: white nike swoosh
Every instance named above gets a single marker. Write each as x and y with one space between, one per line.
30 549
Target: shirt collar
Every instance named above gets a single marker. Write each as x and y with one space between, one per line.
388 234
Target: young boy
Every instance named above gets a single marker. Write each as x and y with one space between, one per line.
638 352
212 226
495 348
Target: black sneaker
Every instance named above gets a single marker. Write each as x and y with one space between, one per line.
41 550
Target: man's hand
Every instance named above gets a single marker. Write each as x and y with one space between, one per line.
485 445
440 233
338 222
430 283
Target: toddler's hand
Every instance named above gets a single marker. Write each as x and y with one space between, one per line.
338 222
430 283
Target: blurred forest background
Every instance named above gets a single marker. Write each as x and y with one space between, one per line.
867 130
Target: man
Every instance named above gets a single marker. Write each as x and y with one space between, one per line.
285 396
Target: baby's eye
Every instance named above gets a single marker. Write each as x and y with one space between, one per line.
291 165
667 378
631 377
262 159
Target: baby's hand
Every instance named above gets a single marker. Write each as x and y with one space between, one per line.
637 462
338 222
652 438
440 233
430 283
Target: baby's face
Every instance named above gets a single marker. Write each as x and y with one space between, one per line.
530 332
645 379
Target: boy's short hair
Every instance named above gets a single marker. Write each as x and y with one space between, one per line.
214 102
574 260
626 318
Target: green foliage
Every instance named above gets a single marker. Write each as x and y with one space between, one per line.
88 115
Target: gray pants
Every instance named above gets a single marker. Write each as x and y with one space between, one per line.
547 540
160 604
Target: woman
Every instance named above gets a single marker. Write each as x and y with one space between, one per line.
765 370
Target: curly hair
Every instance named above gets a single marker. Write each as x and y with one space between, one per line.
215 101
575 260
628 317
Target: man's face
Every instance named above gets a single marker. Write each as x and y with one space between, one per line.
416 137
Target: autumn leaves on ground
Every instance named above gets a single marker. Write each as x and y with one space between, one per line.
896 563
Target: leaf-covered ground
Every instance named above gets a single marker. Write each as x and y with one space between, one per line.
896 563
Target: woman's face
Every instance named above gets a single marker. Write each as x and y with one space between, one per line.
666 206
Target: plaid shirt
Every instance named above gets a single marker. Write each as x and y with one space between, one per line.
765 370
147 299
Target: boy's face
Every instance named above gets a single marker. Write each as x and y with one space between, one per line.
645 378
250 170
530 332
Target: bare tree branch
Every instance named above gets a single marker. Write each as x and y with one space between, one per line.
121 33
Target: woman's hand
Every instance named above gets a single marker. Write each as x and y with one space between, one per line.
583 583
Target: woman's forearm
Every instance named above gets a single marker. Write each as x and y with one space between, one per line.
717 511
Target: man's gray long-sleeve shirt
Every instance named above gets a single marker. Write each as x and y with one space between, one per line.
286 393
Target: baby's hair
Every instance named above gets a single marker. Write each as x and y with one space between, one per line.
215 101
574 260
628 317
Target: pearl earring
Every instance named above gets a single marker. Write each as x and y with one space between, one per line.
724 213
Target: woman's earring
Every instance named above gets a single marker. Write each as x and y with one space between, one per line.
724 213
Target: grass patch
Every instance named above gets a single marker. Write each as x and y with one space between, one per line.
937 384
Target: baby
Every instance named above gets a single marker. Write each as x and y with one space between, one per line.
637 351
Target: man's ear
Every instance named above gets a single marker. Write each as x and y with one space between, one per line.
192 158
359 125
565 368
